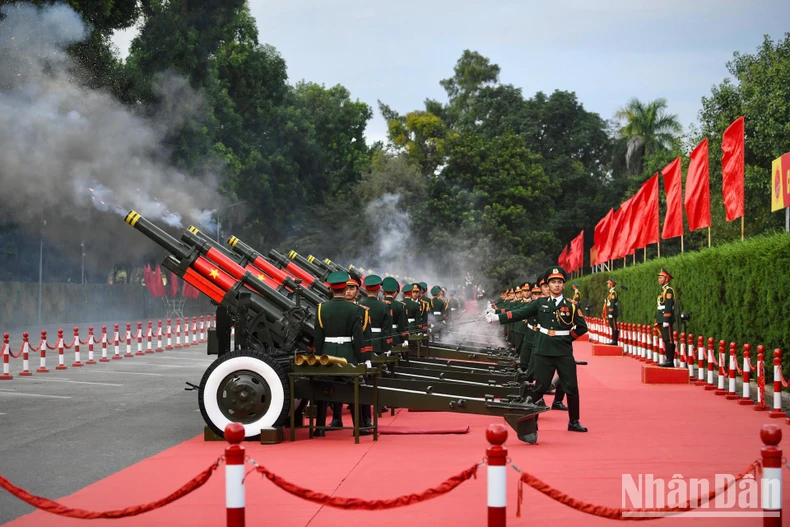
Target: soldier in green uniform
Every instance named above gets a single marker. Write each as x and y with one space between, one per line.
438 311
414 311
559 323
519 329
399 330
378 314
426 308
665 316
338 332
613 310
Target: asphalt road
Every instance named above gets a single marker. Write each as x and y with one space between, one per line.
63 430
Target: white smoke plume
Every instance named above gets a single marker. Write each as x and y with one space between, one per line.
65 148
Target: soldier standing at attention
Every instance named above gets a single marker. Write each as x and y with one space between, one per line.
438 310
519 329
665 316
414 310
338 332
399 330
613 310
559 323
379 315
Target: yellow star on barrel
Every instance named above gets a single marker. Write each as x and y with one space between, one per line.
261 277
214 273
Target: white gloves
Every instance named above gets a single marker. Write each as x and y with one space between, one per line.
368 364
490 317
666 324
387 353
610 316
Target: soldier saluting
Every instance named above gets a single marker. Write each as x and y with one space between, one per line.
560 322
665 316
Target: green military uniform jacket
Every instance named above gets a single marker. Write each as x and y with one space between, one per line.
339 330
438 308
559 325
665 310
413 314
380 324
612 304
399 326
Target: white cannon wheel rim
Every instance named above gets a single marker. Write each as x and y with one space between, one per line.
276 401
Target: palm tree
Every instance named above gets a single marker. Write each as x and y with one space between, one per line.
648 129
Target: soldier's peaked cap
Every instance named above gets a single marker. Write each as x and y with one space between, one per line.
556 272
390 285
415 288
424 286
435 290
665 273
611 280
372 281
337 280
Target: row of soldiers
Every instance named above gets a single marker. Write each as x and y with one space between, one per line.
542 326
366 319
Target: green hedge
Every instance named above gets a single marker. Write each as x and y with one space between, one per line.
738 292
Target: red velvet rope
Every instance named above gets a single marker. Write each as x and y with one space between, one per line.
54 507
613 513
370 505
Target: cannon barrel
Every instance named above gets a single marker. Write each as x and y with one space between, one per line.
257 259
305 264
219 277
284 284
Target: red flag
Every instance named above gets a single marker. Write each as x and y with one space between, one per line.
159 287
634 212
621 230
732 164
576 260
673 187
648 216
602 238
698 188
562 259
173 285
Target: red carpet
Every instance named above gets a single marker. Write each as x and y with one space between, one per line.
410 430
634 428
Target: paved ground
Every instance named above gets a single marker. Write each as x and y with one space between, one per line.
63 430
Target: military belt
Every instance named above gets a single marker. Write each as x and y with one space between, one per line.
337 340
375 330
530 326
554 332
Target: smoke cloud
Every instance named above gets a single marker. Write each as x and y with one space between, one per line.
71 155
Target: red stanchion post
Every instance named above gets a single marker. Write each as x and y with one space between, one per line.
700 361
771 485
76 344
711 358
148 335
6 376
496 458
747 368
90 346
690 356
42 349
169 335
234 475
25 356
777 410
104 357
159 347
128 340
61 365
733 364
139 338
178 333
720 386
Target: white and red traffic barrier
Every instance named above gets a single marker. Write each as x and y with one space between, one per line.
747 368
159 347
178 333
203 329
733 366
128 339
103 342
116 340
496 460
234 475
6 376
777 410
194 332
720 363
169 335
771 484
690 354
139 338
25 356
42 349
61 348
76 344
90 343
710 384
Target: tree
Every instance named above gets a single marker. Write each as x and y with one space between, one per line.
648 128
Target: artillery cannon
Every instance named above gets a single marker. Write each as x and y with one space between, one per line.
274 317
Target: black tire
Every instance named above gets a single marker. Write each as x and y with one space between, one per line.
262 395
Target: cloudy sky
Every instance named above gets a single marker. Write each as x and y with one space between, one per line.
606 51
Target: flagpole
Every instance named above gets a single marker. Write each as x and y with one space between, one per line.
708 236
742 227
659 248
681 243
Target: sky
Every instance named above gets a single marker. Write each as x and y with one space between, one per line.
606 51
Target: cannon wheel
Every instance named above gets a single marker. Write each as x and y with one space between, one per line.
247 387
